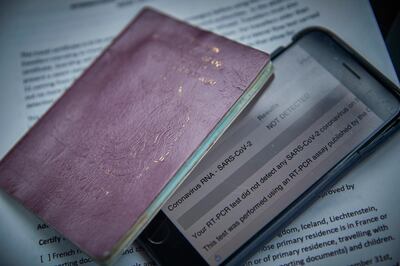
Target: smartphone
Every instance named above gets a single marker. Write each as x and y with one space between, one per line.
325 109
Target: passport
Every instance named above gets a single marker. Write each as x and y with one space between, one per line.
101 162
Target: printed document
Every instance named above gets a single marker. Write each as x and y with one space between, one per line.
46 46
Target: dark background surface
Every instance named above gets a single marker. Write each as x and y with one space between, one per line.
388 17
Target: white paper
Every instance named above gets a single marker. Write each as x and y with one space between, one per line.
45 46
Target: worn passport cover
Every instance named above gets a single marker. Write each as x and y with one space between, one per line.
105 157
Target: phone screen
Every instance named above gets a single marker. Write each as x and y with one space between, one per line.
300 127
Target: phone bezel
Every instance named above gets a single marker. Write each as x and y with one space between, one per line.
270 229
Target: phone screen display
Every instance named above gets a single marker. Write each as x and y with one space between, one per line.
299 128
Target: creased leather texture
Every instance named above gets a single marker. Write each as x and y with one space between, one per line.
96 160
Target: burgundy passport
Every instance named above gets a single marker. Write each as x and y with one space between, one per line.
105 157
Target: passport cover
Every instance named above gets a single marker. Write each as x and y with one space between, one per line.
106 156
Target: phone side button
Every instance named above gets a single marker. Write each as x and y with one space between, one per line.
347 162
277 51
